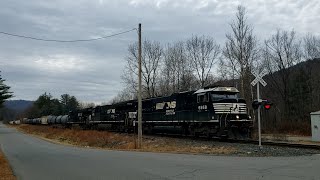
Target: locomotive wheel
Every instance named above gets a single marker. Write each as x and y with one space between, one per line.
245 133
147 130
195 134
231 134
207 134
185 130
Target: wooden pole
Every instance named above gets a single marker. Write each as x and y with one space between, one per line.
139 95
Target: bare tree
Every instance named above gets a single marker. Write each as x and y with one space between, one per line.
202 53
168 79
175 70
150 61
123 95
241 52
84 105
282 51
311 47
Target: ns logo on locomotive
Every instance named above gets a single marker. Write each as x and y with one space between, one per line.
211 111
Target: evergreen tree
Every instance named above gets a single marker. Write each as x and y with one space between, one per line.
4 92
47 105
69 103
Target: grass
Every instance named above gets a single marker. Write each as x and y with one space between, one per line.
118 141
91 138
290 128
5 169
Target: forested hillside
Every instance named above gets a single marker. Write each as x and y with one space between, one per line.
291 111
13 108
18 105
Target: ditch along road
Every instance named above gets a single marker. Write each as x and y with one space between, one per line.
32 158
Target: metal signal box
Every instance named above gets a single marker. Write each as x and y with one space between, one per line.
315 126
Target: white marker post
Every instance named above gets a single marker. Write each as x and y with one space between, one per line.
257 81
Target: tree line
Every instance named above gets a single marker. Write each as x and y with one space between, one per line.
47 105
200 61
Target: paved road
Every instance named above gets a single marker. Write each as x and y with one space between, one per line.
33 159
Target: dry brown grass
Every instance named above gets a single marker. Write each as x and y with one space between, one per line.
5 170
111 140
290 128
91 138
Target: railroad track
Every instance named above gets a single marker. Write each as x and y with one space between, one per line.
269 143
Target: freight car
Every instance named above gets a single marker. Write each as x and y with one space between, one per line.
212 111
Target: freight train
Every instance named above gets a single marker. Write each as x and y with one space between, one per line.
211 111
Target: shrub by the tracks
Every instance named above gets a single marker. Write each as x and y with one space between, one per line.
290 128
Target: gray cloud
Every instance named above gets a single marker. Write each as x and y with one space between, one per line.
91 70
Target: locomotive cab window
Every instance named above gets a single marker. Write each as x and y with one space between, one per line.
217 97
202 98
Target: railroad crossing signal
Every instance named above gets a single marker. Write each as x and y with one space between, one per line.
259 78
257 81
264 102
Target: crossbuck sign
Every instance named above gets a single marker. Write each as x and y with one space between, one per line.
259 78
257 81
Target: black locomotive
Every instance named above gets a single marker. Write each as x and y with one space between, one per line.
216 111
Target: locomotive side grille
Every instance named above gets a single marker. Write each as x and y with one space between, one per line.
230 108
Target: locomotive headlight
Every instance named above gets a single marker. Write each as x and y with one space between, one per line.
237 116
249 117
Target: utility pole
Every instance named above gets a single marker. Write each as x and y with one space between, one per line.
139 93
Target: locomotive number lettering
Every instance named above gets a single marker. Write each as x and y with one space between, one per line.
203 107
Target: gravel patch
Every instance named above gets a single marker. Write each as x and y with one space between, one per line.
268 150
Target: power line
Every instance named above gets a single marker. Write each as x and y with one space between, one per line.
65 41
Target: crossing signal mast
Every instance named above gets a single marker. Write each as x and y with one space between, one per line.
257 103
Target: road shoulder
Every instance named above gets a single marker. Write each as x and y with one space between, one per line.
6 171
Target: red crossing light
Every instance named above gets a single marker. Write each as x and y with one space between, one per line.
267 106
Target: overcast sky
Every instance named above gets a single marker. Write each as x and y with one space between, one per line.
91 70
